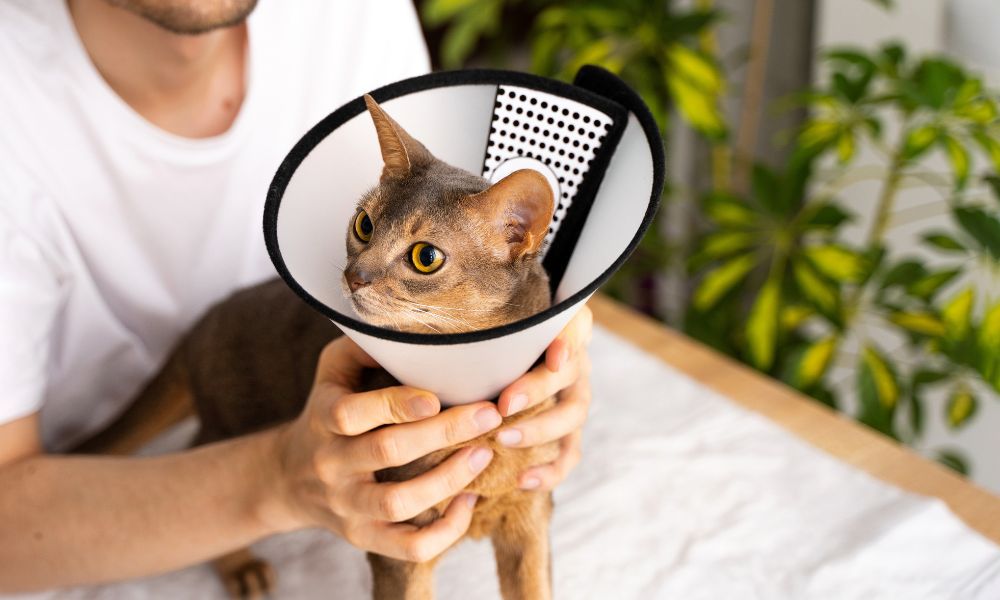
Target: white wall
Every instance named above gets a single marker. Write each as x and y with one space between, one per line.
970 31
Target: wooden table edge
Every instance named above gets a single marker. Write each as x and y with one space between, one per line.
807 419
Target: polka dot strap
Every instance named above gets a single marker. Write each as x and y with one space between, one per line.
551 134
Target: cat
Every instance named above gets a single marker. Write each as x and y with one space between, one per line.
431 249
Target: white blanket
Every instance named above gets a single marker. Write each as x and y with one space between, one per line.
682 495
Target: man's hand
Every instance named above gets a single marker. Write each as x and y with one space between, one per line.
328 457
566 373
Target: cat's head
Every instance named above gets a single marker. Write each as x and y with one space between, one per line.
436 249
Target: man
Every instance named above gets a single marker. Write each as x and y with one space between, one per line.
138 137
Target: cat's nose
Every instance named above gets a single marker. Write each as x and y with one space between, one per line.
357 278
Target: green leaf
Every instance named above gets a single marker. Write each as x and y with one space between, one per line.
916 414
722 279
853 57
695 85
920 379
891 57
765 189
461 38
957 312
918 140
818 134
599 52
814 362
929 285
962 405
729 211
883 377
721 244
820 292
544 52
762 324
845 146
837 262
989 332
958 156
982 226
698 69
826 216
935 80
943 241
903 273
994 182
437 12
878 392
991 146
954 460
927 377
699 108
980 111
918 322
793 315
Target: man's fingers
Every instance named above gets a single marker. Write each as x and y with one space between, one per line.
421 544
548 476
354 414
401 444
400 501
539 384
573 337
565 360
568 415
341 362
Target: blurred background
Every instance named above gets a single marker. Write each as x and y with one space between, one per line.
832 212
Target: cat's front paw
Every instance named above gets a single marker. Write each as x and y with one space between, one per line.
245 576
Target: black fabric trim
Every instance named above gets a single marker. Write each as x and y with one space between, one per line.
593 86
561 249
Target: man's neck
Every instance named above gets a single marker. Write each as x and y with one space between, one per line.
189 85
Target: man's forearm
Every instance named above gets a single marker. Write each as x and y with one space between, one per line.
67 520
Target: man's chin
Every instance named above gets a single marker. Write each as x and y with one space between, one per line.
190 17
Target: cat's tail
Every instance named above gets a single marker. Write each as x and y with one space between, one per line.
163 402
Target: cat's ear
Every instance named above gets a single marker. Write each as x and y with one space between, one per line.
520 205
400 152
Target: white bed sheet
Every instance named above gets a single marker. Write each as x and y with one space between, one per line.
683 495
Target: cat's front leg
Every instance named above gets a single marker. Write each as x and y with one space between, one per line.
521 544
394 579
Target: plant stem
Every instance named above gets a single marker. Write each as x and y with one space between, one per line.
883 213
721 154
753 92
886 200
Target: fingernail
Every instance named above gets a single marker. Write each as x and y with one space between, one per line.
516 404
423 407
509 437
487 418
530 483
563 357
479 458
470 500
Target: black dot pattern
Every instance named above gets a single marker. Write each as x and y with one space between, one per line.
562 134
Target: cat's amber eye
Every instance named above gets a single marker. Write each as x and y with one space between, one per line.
426 258
363 226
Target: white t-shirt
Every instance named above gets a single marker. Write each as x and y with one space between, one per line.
116 235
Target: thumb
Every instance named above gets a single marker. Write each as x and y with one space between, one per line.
341 362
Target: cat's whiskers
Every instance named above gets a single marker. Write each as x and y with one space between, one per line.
487 310
426 309
423 322
447 318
